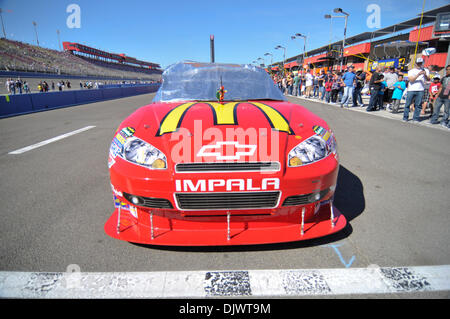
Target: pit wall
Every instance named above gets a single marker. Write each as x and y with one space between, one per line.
12 105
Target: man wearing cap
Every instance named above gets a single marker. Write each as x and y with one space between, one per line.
349 81
375 87
416 86
360 79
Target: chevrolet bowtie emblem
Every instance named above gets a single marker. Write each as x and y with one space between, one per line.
216 150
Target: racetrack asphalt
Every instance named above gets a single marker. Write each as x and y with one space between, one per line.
393 188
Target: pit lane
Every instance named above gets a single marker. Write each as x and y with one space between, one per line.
392 188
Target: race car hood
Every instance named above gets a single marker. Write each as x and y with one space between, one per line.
244 131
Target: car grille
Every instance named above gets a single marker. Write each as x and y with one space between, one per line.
150 202
210 201
304 199
228 167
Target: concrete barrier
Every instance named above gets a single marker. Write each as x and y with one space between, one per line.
11 105
51 100
15 104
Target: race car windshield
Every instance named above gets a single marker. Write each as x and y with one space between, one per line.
194 81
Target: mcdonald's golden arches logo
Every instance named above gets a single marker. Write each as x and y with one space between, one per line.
223 114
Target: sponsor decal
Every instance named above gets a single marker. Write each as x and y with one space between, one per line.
223 114
118 203
319 130
222 185
119 141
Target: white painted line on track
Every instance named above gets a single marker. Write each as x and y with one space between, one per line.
234 283
51 140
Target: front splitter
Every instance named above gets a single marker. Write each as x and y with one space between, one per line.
326 222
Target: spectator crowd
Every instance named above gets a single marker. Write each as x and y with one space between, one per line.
423 91
19 86
23 57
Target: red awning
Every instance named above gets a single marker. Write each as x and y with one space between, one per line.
315 59
290 65
438 59
357 49
426 34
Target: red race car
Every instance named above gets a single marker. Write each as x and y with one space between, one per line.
221 158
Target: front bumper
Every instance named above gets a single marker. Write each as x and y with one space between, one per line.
227 229
175 226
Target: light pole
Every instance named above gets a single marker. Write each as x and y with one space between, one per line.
304 44
271 57
35 30
345 16
3 26
263 62
59 40
284 53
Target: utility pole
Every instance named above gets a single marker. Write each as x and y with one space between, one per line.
59 40
211 38
35 30
3 26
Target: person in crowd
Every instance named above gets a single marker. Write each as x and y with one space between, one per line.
391 78
12 86
283 83
291 83
375 86
443 97
381 93
315 86
19 85
360 79
7 86
299 87
59 86
399 88
349 81
303 85
328 86
295 84
53 86
321 81
416 86
26 88
309 84
336 86
432 93
40 87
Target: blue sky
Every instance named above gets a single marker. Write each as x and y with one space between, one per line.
168 31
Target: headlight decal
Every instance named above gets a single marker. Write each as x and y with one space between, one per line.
135 150
313 149
140 152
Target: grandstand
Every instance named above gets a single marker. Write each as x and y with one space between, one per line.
22 57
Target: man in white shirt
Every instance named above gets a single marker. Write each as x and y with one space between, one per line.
308 84
391 78
416 86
